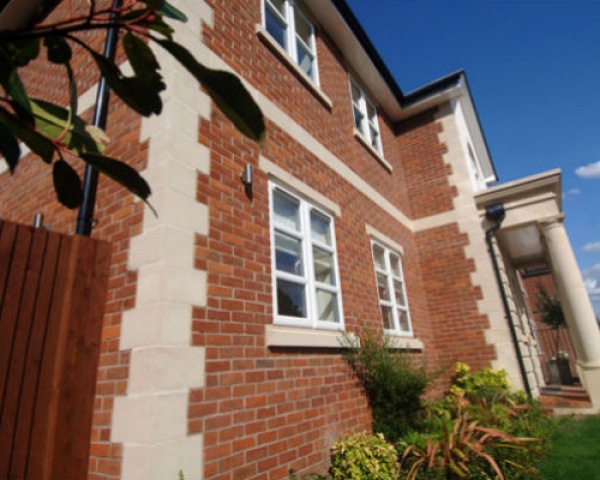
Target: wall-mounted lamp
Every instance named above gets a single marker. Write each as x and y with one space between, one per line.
247 179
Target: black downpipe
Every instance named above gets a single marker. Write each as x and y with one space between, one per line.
85 217
489 233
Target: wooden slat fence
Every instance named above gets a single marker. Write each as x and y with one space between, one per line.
52 295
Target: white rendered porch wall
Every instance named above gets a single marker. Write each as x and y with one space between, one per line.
151 420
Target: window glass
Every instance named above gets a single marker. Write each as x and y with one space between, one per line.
365 117
287 211
327 306
320 227
288 254
291 29
305 266
323 265
391 290
291 299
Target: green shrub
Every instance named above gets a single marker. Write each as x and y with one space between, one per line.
465 450
363 456
518 431
393 381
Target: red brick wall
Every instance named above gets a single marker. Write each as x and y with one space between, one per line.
265 410
452 299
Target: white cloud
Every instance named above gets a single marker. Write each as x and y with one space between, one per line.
570 193
589 171
592 247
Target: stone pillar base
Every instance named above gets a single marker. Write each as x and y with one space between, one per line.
590 378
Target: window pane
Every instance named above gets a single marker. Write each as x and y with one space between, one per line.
288 254
398 291
305 60
291 299
386 316
279 5
320 226
382 287
276 28
303 28
287 211
374 135
371 112
379 257
327 306
404 323
323 262
395 264
356 95
358 120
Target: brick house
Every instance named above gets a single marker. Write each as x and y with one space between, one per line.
369 206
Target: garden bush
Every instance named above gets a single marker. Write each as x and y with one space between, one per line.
363 456
394 382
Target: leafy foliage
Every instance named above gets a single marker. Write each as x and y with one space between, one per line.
490 426
465 449
393 381
551 313
54 132
363 456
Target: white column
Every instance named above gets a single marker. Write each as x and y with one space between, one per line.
579 313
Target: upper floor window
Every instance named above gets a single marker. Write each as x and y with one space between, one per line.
306 280
392 290
365 117
286 23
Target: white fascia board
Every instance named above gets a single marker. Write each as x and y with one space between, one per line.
359 62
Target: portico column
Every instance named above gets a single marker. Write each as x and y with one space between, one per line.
579 313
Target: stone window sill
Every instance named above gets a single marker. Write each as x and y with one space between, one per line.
361 139
284 336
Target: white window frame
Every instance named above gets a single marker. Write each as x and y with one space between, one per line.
308 278
288 21
392 303
366 124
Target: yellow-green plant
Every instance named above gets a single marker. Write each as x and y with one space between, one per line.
363 456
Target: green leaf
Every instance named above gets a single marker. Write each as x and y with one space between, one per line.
225 89
37 143
141 57
67 184
120 172
160 26
9 147
10 80
24 50
170 11
58 49
58 123
141 95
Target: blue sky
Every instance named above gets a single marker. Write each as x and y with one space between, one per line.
534 71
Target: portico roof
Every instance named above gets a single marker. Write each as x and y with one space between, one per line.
528 203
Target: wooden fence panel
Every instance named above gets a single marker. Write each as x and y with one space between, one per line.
52 295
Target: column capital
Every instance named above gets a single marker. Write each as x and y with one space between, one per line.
552 222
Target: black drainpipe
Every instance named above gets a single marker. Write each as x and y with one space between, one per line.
85 217
496 213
